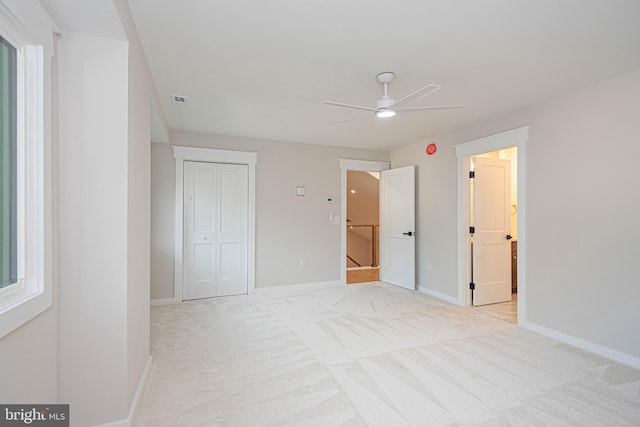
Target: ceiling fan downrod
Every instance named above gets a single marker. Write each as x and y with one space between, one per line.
384 105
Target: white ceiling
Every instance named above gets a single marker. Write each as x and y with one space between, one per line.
264 68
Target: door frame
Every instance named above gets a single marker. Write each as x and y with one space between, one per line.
513 138
352 165
208 155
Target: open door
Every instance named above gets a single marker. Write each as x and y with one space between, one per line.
492 223
397 227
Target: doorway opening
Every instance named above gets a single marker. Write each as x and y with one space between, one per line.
493 215
467 276
362 223
364 252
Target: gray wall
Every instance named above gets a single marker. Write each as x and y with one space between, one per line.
162 221
288 227
582 205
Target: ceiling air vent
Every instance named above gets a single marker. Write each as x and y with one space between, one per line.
178 99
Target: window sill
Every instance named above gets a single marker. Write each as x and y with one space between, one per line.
19 308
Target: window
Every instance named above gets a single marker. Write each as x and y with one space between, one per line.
8 165
25 218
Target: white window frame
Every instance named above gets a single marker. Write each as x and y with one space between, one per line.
32 294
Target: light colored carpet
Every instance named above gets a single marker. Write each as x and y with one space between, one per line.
370 355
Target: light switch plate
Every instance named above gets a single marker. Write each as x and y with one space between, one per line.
299 191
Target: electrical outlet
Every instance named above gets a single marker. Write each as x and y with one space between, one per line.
303 262
429 266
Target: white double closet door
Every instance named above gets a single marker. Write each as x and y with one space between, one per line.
215 202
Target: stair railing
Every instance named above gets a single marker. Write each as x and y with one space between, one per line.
373 239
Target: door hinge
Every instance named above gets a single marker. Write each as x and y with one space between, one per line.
472 174
472 230
472 286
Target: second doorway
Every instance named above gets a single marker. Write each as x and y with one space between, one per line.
362 222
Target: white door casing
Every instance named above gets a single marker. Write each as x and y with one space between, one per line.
397 227
492 224
215 230
513 138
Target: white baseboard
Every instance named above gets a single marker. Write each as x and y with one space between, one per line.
136 399
609 353
284 289
265 290
438 295
165 301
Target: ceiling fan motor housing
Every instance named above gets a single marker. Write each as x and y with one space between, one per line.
385 102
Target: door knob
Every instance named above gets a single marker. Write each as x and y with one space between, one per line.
509 237
408 233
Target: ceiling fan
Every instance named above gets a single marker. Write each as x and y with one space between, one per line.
388 107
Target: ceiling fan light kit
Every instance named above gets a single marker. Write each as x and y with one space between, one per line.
385 113
387 107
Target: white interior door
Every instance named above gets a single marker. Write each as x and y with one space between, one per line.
492 224
215 230
397 227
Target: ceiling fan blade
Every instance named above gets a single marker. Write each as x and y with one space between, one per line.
427 90
357 107
430 108
349 120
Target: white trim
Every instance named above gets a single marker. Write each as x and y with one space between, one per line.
300 287
250 159
364 165
606 352
33 293
165 301
128 422
513 138
493 142
138 394
438 295
352 165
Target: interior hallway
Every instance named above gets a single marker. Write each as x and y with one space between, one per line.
363 275
369 355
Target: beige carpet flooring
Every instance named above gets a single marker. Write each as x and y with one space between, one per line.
370 355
